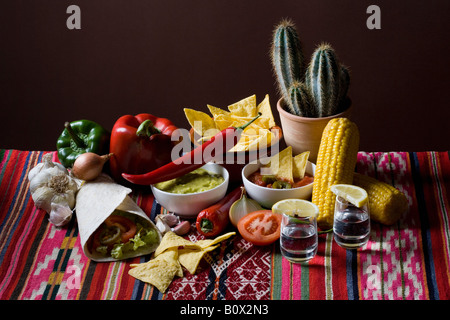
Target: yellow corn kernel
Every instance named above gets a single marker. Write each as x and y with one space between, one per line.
335 164
386 203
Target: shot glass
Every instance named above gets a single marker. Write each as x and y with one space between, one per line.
298 239
351 226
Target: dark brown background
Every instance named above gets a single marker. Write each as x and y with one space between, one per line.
157 56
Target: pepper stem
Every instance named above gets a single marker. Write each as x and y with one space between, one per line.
249 123
146 129
206 225
325 231
78 141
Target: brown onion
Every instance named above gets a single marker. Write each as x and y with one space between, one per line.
89 165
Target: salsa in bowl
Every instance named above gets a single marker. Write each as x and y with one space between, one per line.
267 190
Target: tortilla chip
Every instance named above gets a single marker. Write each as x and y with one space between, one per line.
285 169
190 259
263 140
223 121
210 132
210 242
172 240
204 139
266 111
262 123
299 165
239 114
171 256
240 147
200 121
217 111
173 253
280 165
159 273
244 108
244 142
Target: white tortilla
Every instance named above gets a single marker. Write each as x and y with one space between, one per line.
96 201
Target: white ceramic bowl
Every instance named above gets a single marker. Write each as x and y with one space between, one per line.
189 205
267 197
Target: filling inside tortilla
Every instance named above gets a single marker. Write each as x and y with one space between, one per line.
122 233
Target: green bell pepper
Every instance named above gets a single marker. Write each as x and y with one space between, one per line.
79 137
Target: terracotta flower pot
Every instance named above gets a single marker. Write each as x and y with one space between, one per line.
304 134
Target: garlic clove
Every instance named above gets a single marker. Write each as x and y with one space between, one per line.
35 171
42 198
161 224
60 214
182 228
171 219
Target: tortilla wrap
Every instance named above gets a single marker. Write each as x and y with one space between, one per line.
96 201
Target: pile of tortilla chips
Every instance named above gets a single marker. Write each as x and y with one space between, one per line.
173 253
285 167
254 137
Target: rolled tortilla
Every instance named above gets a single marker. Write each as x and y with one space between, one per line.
96 201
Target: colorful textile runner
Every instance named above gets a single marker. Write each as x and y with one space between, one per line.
409 260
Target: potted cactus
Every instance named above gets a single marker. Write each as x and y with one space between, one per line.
311 94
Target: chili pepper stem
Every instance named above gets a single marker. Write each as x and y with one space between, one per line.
206 225
324 231
146 129
249 123
78 141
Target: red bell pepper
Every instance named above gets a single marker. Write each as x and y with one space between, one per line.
140 143
194 159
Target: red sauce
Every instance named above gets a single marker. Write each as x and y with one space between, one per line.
257 178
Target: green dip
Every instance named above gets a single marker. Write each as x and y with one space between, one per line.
196 181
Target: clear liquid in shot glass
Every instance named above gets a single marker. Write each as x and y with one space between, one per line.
351 227
299 243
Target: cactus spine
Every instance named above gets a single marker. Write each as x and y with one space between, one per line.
300 100
323 79
344 83
287 56
317 91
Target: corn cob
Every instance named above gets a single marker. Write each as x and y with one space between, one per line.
386 203
336 162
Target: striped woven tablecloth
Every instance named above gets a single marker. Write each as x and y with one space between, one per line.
409 260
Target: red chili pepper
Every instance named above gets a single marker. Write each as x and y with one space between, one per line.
214 219
140 143
217 145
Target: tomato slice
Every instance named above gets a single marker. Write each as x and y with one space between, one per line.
127 227
261 227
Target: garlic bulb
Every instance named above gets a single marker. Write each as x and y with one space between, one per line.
242 207
53 189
